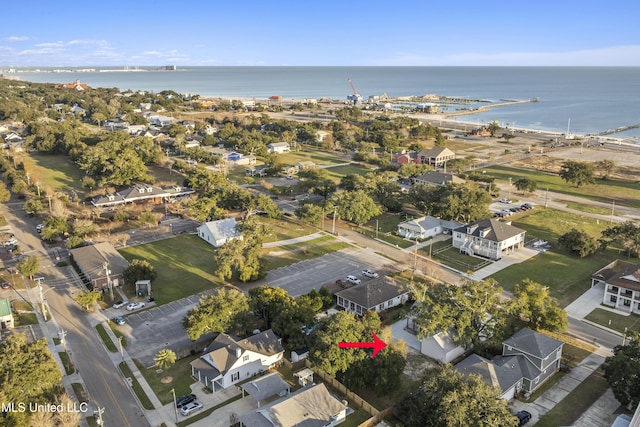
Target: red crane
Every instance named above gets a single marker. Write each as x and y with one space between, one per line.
356 97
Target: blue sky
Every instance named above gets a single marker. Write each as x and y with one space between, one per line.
367 33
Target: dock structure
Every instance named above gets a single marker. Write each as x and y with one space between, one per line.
488 107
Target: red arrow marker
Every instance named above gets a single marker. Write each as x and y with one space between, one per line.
377 345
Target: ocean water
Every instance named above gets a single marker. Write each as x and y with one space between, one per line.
590 99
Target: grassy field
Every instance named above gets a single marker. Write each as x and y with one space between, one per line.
184 265
105 338
282 256
588 208
567 275
317 157
336 173
180 373
453 258
137 388
284 230
387 223
163 175
625 193
54 172
579 400
614 321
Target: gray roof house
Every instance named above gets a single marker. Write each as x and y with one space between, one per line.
489 238
264 387
101 264
436 156
228 360
311 406
375 295
436 178
217 233
528 359
425 227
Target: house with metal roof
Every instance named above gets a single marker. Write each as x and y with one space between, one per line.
488 238
311 406
436 178
6 317
528 359
425 227
100 264
375 295
621 283
141 193
219 232
229 360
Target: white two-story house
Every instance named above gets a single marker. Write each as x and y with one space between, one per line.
488 238
228 360
621 281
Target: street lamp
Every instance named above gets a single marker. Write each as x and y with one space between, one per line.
175 404
335 210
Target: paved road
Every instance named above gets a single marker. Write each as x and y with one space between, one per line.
104 384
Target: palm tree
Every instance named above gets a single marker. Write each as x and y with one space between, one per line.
165 358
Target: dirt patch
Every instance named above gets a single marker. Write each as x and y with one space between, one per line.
417 364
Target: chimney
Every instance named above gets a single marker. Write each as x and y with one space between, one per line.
238 352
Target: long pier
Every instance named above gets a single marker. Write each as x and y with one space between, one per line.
617 130
488 107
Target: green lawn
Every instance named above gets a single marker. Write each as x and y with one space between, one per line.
387 223
137 388
567 275
453 258
282 229
336 173
282 256
573 406
614 321
54 172
184 264
318 157
180 373
588 208
66 362
105 338
625 193
163 175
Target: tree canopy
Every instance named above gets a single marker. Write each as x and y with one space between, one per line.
243 256
578 173
622 370
532 302
221 311
446 398
626 234
579 243
355 206
526 185
139 269
460 202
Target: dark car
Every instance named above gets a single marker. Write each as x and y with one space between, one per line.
524 417
5 286
119 321
183 400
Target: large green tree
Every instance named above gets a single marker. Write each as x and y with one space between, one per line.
29 266
471 309
355 206
626 234
446 398
526 185
223 311
533 303
139 269
622 370
29 374
243 256
578 242
578 173
461 202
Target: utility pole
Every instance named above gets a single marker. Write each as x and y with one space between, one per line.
376 228
546 197
335 210
120 342
175 405
107 272
63 338
49 197
613 208
100 411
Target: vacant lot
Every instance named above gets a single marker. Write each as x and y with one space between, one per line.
317 157
285 255
625 193
184 264
54 172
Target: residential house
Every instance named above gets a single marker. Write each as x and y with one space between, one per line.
229 360
159 120
425 227
141 193
260 170
311 406
6 316
621 282
100 264
440 346
265 387
436 178
405 157
278 147
436 156
75 85
374 295
136 129
488 238
528 359
481 132
217 233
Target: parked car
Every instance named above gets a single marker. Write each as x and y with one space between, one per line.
183 400
527 206
524 417
5 286
119 321
369 273
120 304
39 228
504 200
190 408
135 305
353 279
506 212
515 209
11 241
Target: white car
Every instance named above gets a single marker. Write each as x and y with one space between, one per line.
353 279
135 306
120 304
190 408
369 273
39 228
503 200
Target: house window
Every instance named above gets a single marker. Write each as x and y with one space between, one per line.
389 303
613 298
245 358
381 306
626 303
235 376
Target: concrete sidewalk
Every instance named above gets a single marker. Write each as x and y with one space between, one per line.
292 241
